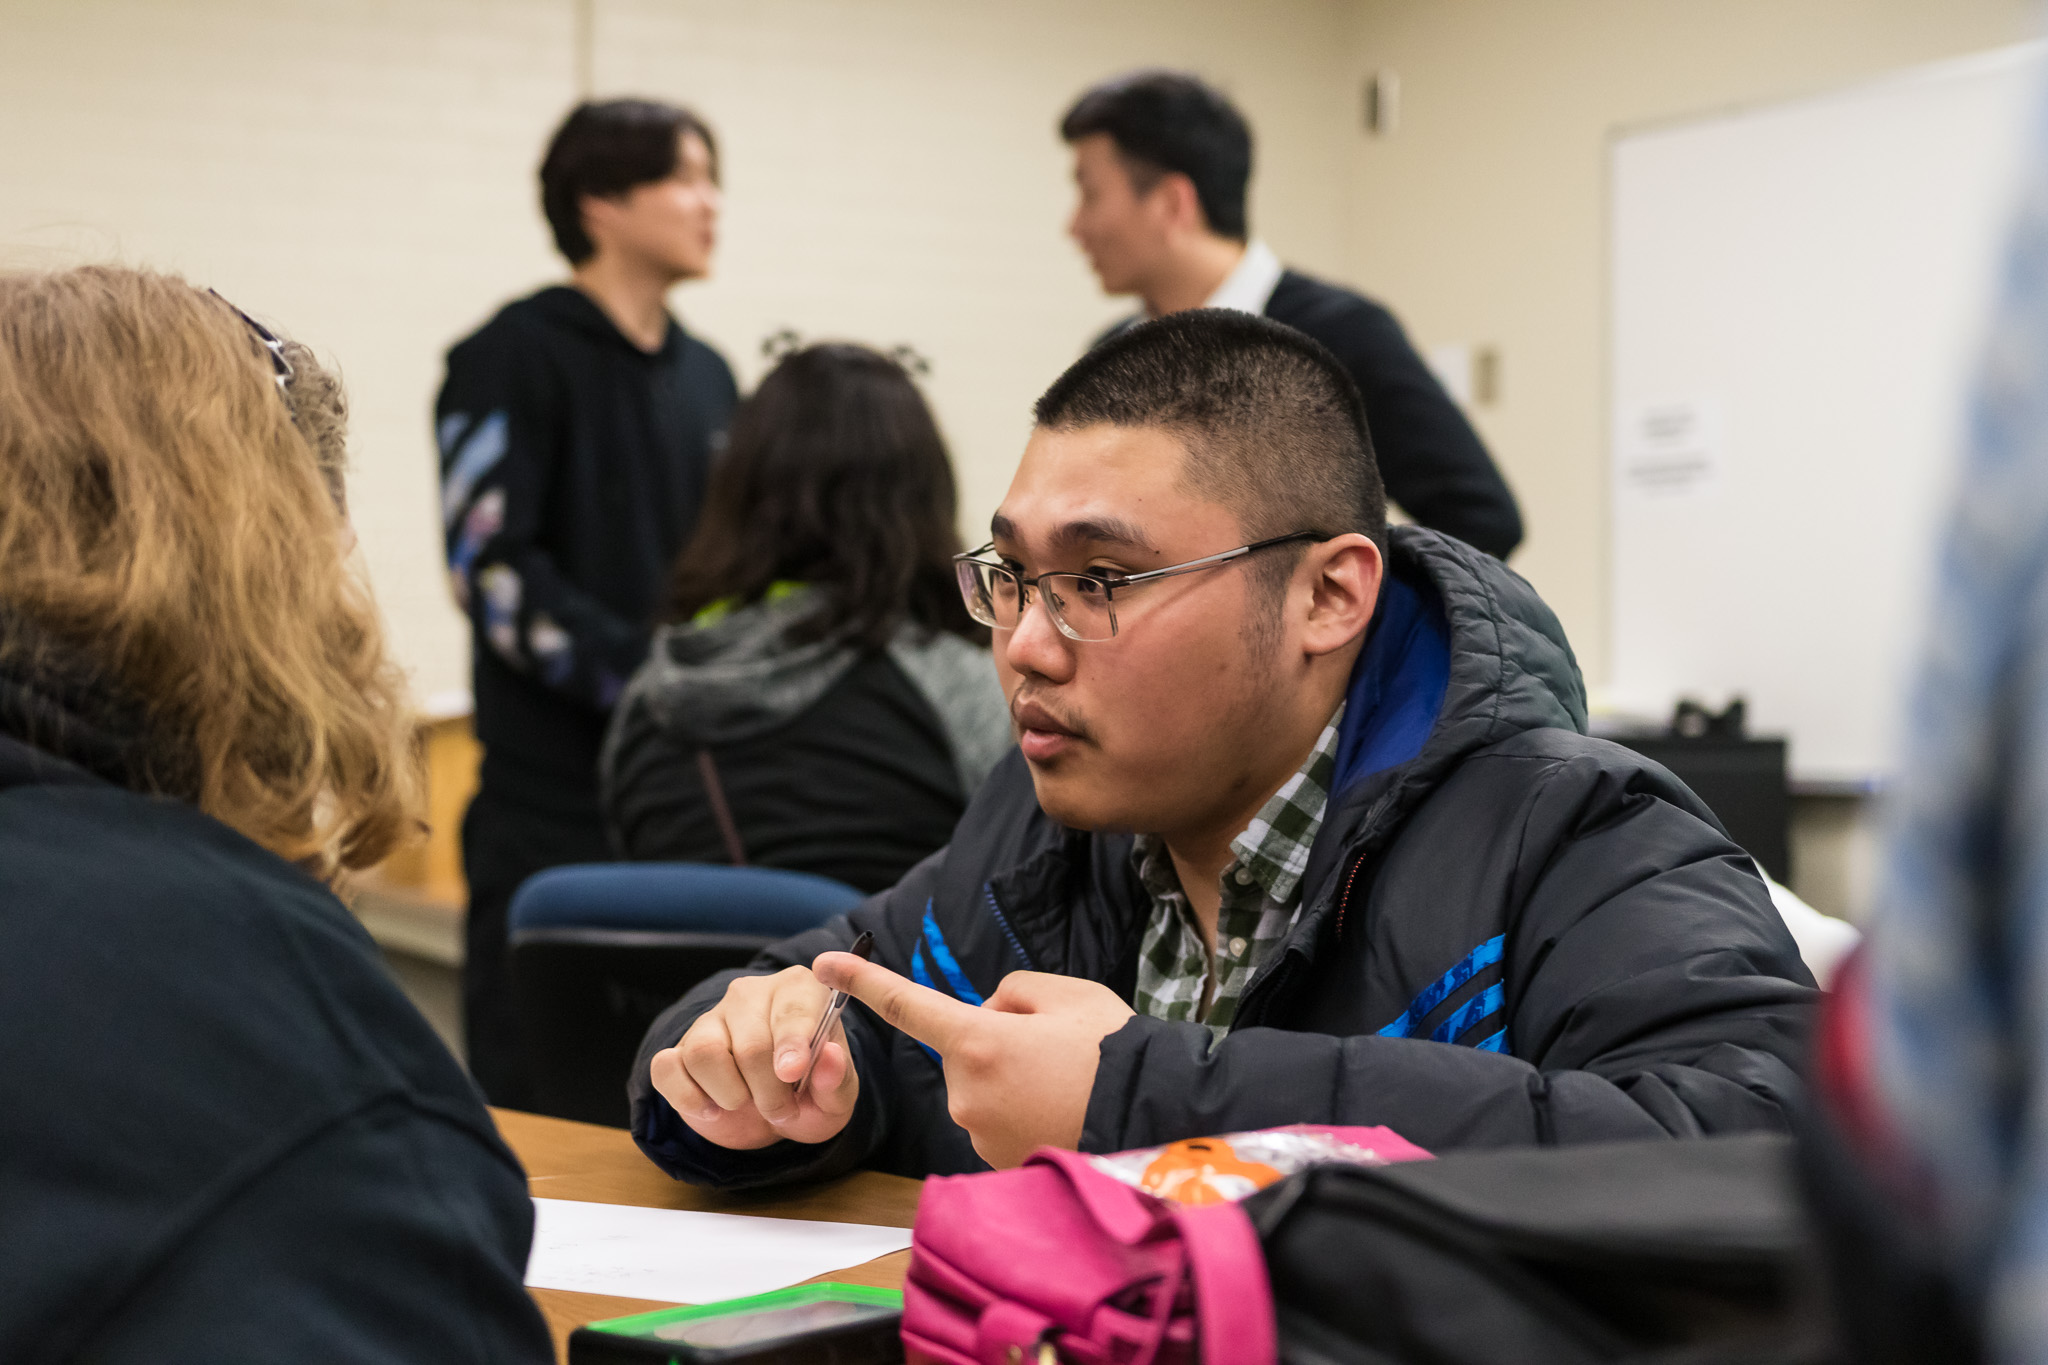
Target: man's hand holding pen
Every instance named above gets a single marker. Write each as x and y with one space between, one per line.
1019 1069
733 1077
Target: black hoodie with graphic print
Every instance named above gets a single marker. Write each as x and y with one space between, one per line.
573 466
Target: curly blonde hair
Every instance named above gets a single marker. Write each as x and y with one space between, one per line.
166 518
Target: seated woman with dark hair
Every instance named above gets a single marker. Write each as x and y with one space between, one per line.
820 699
225 1134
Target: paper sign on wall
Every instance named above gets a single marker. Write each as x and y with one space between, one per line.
1670 448
1451 363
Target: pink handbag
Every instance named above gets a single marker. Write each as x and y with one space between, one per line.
1058 1261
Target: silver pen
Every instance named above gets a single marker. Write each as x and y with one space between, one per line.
863 948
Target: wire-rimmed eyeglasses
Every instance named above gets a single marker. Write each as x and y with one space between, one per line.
281 369
1082 605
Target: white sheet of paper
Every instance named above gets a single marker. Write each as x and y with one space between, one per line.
683 1257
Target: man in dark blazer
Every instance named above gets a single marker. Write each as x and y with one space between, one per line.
1161 161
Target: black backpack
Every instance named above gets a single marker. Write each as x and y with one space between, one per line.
1693 1251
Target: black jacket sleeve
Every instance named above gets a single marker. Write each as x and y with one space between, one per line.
1430 458
499 427
1652 990
392 1235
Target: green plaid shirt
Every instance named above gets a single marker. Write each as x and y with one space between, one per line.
1178 977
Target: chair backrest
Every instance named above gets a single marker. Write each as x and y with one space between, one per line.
598 951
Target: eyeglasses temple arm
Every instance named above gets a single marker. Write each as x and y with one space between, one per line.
1213 561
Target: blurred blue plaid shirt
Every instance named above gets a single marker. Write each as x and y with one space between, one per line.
1959 939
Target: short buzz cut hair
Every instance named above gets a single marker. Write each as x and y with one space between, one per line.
605 148
1165 121
1272 423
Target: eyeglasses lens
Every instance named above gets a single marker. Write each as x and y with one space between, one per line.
974 590
1079 605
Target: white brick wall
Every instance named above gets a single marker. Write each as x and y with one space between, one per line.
362 174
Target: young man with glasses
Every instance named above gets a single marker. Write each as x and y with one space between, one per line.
1303 827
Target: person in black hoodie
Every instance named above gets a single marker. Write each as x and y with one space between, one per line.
576 432
1303 827
819 700
1161 162
226 1135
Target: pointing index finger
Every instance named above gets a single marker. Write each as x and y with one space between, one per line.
933 1018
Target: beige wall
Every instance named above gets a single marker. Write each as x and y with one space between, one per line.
362 174
357 174
1482 217
893 172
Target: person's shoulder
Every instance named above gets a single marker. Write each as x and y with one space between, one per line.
941 663
188 1015
1553 744
692 344
524 322
696 355
1589 771
957 679
427 1226
1117 328
1317 307
87 842
206 944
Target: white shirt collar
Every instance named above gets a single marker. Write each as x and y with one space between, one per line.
1251 285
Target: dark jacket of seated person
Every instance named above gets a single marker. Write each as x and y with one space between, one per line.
820 699
226 1134
833 759
1502 931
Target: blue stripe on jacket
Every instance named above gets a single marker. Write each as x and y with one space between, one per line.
1480 958
1480 1007
934 943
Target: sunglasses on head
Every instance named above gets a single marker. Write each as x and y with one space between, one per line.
280 367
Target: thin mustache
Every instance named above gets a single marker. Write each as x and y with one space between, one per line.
1019 698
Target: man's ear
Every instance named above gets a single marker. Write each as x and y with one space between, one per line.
598 214
1176 203
1342 577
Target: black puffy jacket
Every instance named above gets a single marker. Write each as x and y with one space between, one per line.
1517 935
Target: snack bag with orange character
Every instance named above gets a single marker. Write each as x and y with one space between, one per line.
1214 1169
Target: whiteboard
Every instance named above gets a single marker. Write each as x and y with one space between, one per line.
1798 295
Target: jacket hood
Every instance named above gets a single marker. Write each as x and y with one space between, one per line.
1505 668
735 675
55 704
570 309
1511 666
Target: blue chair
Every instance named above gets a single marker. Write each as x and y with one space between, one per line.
599 950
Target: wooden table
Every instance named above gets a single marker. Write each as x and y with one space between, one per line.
567 1160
